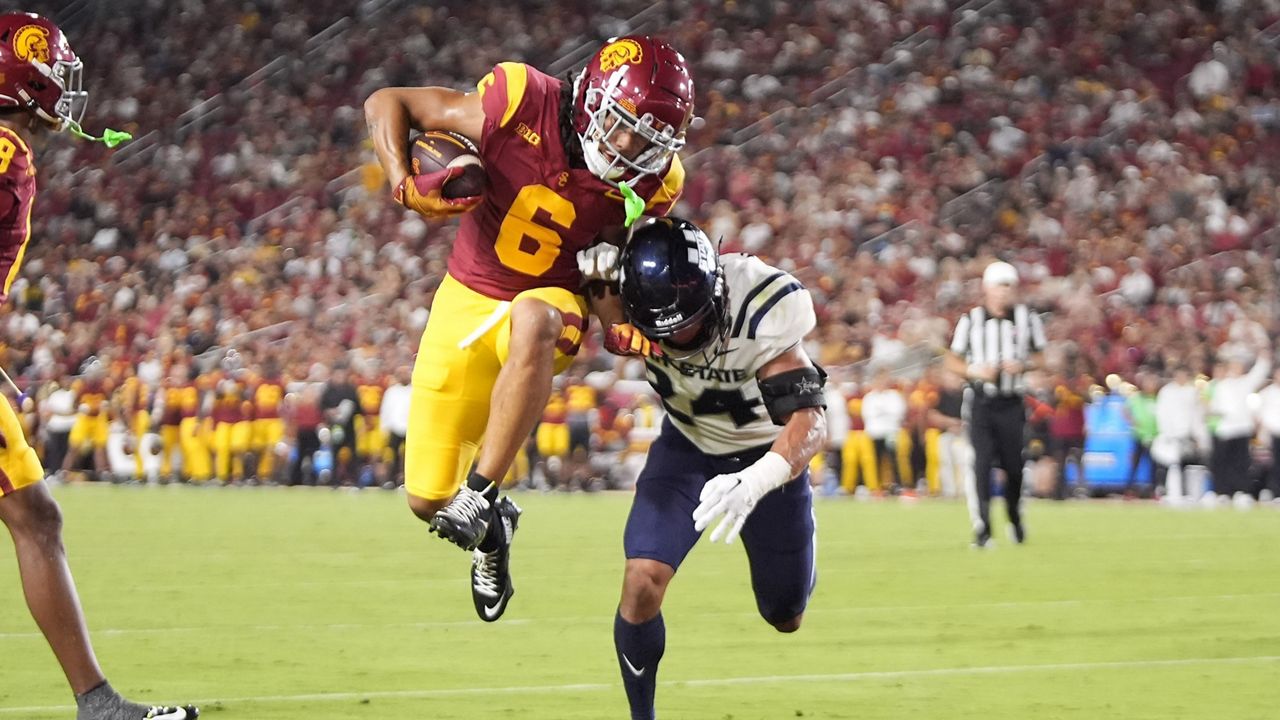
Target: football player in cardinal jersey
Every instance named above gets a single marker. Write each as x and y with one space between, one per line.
561 160
745 415
40 91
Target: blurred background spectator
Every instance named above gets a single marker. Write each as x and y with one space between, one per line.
1122 155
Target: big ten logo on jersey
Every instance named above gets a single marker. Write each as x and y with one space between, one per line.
528 134
619 53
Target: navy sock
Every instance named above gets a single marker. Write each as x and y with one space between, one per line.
640 648
489 489
483 485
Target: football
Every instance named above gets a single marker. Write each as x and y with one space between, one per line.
436 150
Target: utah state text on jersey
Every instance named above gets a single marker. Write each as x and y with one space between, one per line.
736 376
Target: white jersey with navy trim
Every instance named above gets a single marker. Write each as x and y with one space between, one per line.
717 405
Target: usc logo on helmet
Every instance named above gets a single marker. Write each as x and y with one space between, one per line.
619 53
31 42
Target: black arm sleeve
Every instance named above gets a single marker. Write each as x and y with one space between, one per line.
792 390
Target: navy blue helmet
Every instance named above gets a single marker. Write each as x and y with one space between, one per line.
671 284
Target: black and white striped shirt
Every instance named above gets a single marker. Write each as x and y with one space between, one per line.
985 340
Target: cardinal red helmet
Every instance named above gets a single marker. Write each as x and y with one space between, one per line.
38 70
635 83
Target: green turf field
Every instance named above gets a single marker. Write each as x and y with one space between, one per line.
273 603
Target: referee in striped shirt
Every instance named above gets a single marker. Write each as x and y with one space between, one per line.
994 345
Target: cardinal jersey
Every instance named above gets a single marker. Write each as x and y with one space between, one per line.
92 395
172 414
370 393
267 396
228 405
537 212
17 197
718 406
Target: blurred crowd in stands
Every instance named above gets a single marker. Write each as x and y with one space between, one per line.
1123 155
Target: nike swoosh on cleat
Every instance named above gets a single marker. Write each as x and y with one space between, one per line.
492 612
176 714
632 668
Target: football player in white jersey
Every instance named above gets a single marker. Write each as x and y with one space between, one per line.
745 415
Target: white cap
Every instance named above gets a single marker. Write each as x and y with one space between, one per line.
999 273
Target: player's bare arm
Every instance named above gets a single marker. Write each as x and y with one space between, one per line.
605 303
392 112
41 92
805 430
599 267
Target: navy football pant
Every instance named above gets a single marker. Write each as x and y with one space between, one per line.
778 535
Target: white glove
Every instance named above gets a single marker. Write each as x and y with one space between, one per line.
599 262
735 495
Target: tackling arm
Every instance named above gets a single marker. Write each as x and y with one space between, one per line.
599 267
792 389
804 429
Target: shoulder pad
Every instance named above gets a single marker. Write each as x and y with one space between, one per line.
669 189
502 91
775 306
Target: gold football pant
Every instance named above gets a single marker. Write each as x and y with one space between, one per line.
462 350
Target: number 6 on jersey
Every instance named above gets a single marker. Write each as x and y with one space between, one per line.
522 243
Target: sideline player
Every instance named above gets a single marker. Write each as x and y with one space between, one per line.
40 91
745 415
93 418
561 159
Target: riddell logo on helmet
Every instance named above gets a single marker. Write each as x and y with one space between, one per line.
619 53
31 42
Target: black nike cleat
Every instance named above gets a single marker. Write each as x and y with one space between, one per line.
465 520
491 587
187 712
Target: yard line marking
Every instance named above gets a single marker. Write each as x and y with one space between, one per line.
711 682
112 632
580 619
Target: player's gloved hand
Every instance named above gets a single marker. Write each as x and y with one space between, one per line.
422 194
599 263
625 339
735 495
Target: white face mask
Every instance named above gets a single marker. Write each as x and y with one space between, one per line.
598 164
607 118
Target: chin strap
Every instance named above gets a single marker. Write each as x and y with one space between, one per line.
110 138
632 202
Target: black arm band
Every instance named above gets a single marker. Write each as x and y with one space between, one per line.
792 390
